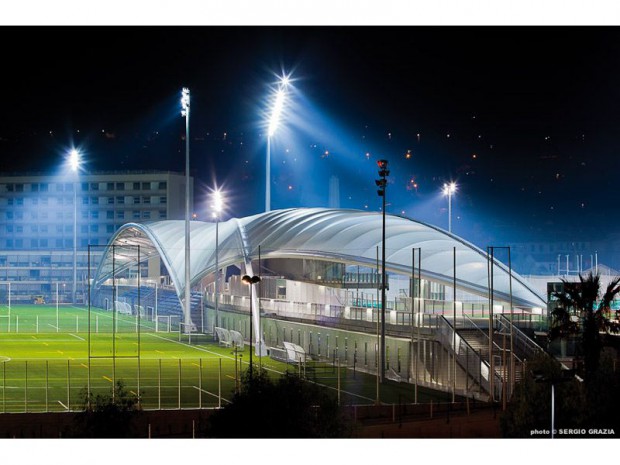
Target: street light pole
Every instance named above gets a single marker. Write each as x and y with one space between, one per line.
185 103
250 281
382 184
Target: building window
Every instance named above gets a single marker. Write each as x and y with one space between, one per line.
84 187
84 200
9 228
163 200
120 215
84 228
34 243
94 186
120 200
43 243
19 201
94 228
146 200
162 214
19 229
43 228
146 186
120 186
59 187
44 187
19 243
9 215
94 215
59 243
34 228
136 200
146 215
110 186
94 200
110 200
19 215
109 214
34 187
109 228
59 228
162 185
84 215
19 188
136 214
136 186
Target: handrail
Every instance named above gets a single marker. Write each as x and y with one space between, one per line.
463 357
529 345
486 336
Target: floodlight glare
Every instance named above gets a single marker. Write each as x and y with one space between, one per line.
74 159
449 189
184 101
218 202
277 110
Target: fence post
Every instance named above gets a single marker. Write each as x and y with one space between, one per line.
26 387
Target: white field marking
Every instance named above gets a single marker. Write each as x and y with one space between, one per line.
193 347
133 393
85 366
60 352
76 336
55 327
196 364
229 357
231 377
159 351
211 394
105 377
4 359
66 408
45 344
33 337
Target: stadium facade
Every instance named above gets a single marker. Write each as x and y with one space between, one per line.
319 291
39 213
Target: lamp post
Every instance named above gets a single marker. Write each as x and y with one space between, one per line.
274 121
449 189
250 280
185 103
74 162
382 184
217 210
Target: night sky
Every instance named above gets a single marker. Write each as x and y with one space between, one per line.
525 118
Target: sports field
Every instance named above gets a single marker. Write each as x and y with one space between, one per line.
50 356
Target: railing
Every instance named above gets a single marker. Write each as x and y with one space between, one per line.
466 356
528 348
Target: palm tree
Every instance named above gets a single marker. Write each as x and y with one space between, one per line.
580 299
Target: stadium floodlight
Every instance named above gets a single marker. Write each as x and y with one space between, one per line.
74 163
250 281
274 121
449 189
185 104
218 204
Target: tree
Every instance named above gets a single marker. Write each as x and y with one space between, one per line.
580 298
107 416
289 407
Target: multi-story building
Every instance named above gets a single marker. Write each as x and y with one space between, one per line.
48 222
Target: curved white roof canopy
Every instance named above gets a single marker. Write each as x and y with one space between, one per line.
347 236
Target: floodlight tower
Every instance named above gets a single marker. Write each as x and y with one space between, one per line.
449 189
274 121
218 203
74 163
185 103
382 184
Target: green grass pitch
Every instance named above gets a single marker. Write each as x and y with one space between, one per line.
45 363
